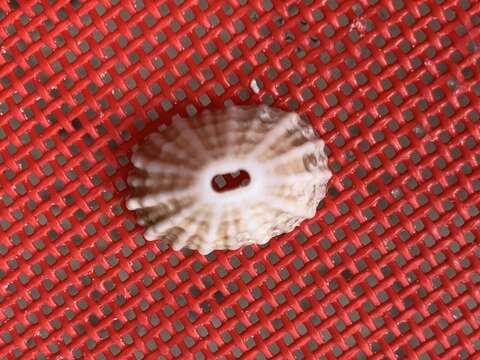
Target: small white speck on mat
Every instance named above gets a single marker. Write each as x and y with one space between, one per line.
254 86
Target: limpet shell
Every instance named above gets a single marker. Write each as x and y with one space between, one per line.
172 189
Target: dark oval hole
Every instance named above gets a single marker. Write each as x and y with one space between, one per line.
230 181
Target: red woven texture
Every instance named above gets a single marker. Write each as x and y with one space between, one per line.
389 267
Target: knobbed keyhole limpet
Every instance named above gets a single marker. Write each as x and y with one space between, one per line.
173 183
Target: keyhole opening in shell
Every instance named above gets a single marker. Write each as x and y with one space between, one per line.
230 181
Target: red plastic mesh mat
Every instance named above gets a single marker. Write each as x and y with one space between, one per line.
389 267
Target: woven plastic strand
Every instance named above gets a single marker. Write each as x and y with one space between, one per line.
389 266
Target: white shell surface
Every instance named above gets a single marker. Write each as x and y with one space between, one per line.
172 180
